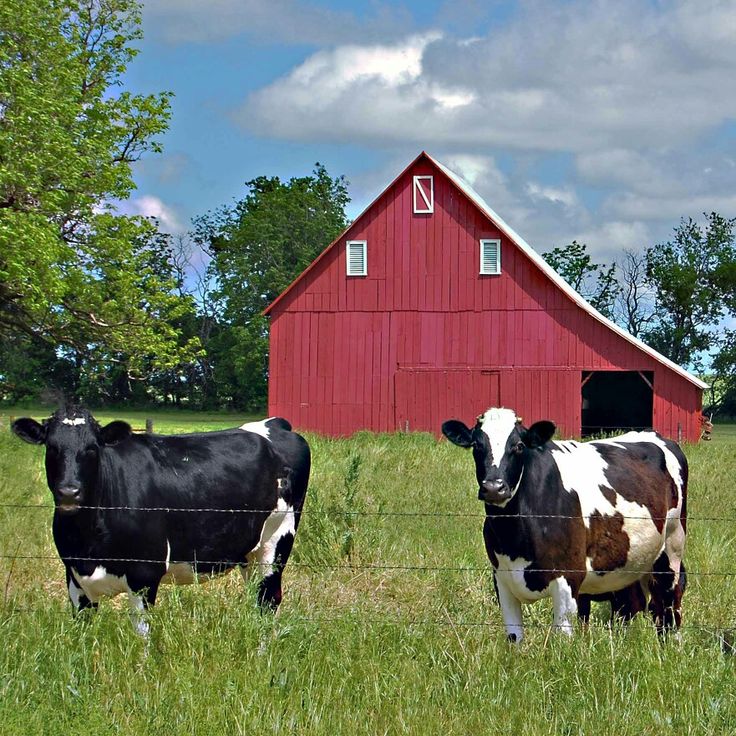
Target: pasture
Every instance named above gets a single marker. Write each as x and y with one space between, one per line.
389 623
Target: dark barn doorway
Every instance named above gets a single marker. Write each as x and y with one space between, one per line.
616 401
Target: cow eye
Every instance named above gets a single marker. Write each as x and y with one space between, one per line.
90 452
519 448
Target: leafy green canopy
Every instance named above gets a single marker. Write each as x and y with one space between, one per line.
72 271
593 281
694 276
258 247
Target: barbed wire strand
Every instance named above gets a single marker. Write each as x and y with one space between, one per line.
355 512
350 566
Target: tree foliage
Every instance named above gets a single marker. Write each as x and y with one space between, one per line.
258 247
694 277
593 281
73 272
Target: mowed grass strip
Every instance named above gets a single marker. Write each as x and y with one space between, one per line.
359 646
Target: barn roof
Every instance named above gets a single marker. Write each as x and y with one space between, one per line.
537 259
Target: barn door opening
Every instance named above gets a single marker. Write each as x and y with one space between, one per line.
426 397
615 401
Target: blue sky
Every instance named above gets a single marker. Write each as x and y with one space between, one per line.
600 121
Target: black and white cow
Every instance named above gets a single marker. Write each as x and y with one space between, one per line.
571 518
134 511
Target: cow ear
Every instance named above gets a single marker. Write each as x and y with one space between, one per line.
538 434
115 432
29 430
457 433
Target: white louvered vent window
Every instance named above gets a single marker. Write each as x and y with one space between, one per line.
490 257
357 257
423 195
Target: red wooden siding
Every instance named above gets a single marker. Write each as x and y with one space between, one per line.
423 337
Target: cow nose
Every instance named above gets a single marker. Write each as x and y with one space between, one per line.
494 486
70 492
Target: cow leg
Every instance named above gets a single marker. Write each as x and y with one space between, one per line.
271 553
564 604
627 602
510 610
666 594
77 596
584 609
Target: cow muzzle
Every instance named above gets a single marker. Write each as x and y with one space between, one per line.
68 499
494 491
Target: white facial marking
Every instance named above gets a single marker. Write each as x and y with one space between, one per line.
257 427
498 425
74 422
279 523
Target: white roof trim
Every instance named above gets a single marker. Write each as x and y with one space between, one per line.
557 279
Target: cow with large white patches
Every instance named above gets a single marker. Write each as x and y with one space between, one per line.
133 511
571 520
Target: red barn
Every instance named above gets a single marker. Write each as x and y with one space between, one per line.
429 306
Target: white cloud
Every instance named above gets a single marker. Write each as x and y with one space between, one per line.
580 77
151 206
358 92
607 240
564 196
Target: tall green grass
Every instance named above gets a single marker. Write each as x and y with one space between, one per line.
359 646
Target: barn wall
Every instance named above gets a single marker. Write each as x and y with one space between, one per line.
423 326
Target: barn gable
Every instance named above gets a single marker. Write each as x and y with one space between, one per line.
452 311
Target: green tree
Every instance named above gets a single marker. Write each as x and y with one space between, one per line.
73 272
593 281
694 277
722 396
258 247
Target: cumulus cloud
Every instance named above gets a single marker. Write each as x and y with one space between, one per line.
356 93
577 76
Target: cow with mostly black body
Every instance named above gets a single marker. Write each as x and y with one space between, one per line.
133 511
565 519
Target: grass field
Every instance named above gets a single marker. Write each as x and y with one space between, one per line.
388 625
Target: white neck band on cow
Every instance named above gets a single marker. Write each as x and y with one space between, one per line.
498 425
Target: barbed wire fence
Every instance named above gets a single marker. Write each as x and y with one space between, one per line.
439 620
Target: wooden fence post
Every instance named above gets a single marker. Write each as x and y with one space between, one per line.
149 425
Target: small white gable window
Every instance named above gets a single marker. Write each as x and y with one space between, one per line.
423 195
356 252
490 257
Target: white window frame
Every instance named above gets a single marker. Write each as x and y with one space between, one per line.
483 242
364 244
421 205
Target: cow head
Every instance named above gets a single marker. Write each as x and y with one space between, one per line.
500 444
74 441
